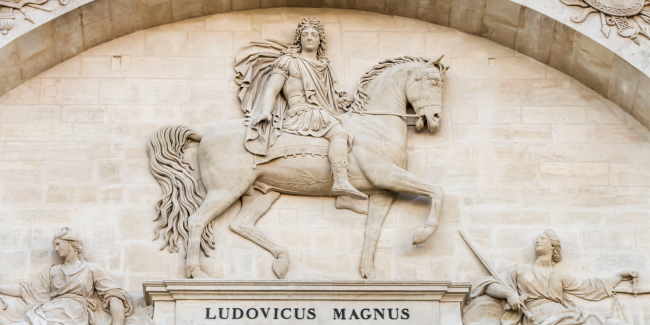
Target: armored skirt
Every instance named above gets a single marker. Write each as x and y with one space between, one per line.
308 120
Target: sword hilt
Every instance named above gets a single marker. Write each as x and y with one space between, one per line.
525 310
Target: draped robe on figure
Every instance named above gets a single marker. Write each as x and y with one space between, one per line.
315 118
547 295
60 298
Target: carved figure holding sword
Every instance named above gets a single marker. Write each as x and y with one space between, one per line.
515 301
537 293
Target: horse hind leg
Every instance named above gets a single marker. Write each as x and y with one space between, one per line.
378 210
253 208
215 203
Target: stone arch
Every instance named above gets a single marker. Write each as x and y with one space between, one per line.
614 67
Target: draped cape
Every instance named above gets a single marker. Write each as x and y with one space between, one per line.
254 66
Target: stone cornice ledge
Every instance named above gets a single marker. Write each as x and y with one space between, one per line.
174 290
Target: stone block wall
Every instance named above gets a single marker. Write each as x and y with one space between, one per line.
522 148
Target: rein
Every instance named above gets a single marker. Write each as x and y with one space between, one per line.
391 114
427 103
385 113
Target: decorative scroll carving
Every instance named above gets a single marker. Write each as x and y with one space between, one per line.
616 13
8 17
227 164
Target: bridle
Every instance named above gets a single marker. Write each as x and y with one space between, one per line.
419 104
423 103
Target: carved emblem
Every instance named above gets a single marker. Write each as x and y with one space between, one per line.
8 18
622 8
617 13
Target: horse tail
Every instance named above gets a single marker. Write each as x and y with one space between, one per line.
181 196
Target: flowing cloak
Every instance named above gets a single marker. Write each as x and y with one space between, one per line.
547 295
253 72
60 298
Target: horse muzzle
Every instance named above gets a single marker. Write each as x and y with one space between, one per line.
429 117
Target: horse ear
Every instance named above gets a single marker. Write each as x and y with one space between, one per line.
437 60
434 62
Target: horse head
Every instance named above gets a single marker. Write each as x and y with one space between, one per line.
424 92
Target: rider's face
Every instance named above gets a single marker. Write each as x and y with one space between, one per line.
309 39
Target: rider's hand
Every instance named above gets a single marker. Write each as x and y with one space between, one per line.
260 118
344 102
515 302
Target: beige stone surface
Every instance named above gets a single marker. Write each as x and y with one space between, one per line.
522 147
543 30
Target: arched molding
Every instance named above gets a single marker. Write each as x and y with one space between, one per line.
614 67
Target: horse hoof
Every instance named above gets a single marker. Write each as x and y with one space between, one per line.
280 267
196 273
423 234
368 273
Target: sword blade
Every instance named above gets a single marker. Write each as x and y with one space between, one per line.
631 291
481 257
494 273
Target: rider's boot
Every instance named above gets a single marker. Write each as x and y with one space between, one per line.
339 161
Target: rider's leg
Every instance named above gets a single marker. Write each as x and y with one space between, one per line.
338 155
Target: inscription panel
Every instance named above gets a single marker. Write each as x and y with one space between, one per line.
245 312
239 302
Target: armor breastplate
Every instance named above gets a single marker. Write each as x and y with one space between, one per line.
293 89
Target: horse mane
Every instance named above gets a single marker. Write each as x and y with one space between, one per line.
361 97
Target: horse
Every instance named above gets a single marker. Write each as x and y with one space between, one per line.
378 162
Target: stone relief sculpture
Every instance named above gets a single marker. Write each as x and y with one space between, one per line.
293 108
309 105
539 293
617 13
73 293
8 18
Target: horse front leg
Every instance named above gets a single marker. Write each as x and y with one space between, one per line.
394 178
378 210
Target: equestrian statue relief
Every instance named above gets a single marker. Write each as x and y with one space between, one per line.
294 118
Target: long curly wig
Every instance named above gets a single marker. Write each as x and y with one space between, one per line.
318 26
